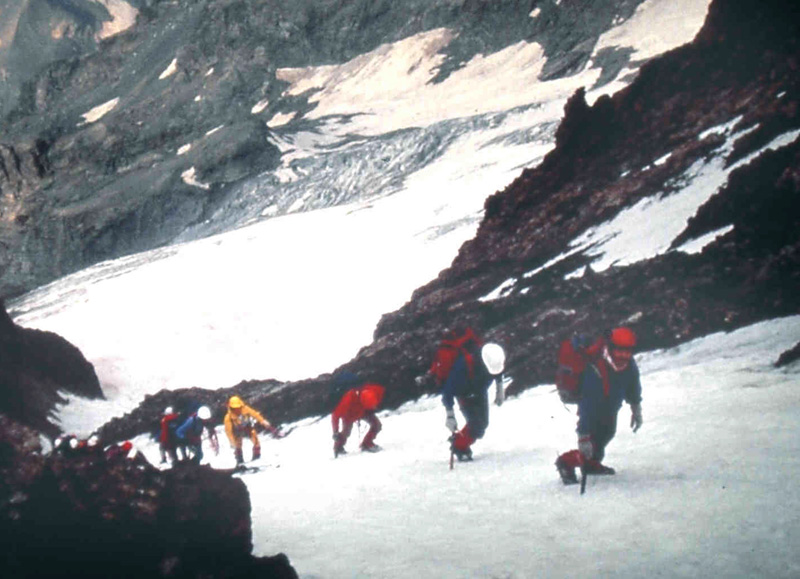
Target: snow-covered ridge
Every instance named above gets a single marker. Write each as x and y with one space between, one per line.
390 88
649 228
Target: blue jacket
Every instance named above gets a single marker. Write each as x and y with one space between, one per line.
458 382
191 430
595 407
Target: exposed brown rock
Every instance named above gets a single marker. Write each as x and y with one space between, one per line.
89 514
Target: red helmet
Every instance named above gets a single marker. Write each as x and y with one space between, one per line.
623 338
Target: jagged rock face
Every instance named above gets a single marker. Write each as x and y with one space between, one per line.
95 126
35 367
86 515
744 62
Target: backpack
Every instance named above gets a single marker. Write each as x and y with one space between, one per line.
448 351
574 355
341 383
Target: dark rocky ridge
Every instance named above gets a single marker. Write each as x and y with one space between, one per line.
744 62
84 513
73 194
35 367
88 515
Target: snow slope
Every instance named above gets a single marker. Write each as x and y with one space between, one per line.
243 304
704 489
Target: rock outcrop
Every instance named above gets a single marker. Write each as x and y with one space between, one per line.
88 514
36 369
742 66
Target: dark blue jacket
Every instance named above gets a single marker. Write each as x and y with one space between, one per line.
458 382
595 407
191 430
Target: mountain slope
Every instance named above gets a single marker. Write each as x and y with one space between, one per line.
157 129
648 141
619 192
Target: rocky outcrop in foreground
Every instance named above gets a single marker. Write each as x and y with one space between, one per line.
89 514
36 367
85 513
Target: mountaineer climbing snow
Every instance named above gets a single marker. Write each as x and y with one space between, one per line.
240 423
359 402
471 371
609 377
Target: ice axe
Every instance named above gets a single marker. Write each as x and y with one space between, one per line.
280 433
583 479
452 450
583 475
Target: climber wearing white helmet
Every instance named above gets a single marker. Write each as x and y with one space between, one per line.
468 381
494 358
191 432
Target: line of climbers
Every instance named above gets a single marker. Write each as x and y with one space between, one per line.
180 435
69 445
596 374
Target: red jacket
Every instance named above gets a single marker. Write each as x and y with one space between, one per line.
356 402
165 437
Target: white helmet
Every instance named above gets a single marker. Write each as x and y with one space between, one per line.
168 410
203 413
494 358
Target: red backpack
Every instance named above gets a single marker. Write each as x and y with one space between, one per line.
573 356
448 352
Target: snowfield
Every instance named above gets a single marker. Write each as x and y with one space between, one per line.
704 489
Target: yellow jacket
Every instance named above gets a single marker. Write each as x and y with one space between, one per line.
238 425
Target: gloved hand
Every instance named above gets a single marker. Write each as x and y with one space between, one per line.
585 446
636 417
500 395
451 423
